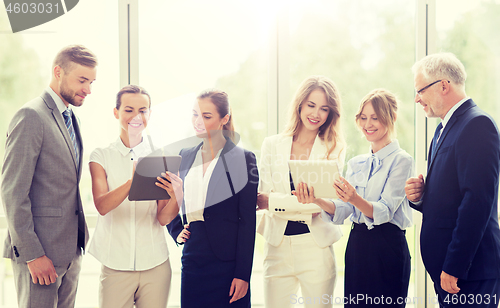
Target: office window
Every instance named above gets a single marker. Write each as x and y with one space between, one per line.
186 47
470 32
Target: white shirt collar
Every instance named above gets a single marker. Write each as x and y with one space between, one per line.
59 103
140 150
452 110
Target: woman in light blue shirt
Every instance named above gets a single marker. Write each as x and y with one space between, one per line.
377 259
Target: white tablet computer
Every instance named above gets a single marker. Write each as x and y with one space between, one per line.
148 168
319 174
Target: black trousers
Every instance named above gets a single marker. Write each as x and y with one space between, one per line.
377 267
205 279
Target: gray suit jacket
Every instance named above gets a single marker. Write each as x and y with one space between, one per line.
40 185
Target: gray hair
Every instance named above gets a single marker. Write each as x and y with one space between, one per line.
444 65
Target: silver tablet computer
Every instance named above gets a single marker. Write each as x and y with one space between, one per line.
147 169
319 174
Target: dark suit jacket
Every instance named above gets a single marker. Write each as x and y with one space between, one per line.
40 180
229 212
460 233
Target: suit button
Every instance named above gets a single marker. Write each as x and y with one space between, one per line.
76 212
207 216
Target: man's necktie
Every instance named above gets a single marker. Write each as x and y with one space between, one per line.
435 140
71 130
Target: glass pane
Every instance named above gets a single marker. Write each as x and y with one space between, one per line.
361 45
189 46
469 30
352 42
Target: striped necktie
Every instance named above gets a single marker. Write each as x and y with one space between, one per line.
71 130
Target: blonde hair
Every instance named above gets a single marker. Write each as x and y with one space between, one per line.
329 132
385 105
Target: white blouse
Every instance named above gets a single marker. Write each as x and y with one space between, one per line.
128 238
194 197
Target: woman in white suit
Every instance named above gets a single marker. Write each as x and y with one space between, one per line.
298 250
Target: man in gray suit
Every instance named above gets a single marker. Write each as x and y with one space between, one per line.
40 179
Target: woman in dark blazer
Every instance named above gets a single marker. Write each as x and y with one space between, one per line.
217 221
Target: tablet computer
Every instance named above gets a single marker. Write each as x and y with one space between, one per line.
319 174
148 168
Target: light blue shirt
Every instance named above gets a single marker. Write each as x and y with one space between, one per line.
380 179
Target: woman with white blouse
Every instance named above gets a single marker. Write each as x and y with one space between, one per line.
129 239
372 194
298 250
217 221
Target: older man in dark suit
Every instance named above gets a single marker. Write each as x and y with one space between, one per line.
40 178
460 236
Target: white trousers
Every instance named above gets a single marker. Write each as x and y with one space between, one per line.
145 289
298 262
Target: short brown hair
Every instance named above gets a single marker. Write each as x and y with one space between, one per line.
131 89
75 54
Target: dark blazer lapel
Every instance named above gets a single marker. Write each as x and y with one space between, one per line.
76 126
62 126
447 128
219 172
453 120
187 160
